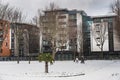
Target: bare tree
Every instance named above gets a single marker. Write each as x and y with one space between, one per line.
100 35
52 6
4 9
115 7
33 35
26 40
11 14
62 37
73 39
48 24
37 18
16 16
80 43
18 36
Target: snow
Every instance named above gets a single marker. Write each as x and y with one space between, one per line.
61 70
105 15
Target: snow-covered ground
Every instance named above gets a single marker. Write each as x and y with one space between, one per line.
61 70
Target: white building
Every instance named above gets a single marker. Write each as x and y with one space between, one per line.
111 44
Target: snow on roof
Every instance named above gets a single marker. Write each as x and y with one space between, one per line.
102 16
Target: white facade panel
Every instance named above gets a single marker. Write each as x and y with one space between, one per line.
94 44
79 29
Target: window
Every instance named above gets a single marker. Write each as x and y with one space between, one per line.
6 44
0 50
1 39
62 23
12 34
12 40
12 50
73 16
97 27
12 45
63 47
12 31
61 17
97 20
45 42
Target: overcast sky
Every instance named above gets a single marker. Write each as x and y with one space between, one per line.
91 7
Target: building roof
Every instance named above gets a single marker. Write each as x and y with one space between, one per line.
104 16
73 11
56 10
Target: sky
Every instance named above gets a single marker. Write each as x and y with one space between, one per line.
91 7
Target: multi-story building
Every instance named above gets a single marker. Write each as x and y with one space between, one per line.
4 38
54 24
75 34
24 39
111 44
68 24
18 39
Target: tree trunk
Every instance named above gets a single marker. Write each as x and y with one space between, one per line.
61 54
18 59
53 49
82 59
53 54
74 55
29 59
74 51
102 53
81 54
46 67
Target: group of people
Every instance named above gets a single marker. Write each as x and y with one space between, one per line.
77 59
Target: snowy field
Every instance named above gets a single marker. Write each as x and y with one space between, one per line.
61 70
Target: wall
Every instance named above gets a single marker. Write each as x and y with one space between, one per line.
6 39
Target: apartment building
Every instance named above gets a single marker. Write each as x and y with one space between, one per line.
68 25
53 19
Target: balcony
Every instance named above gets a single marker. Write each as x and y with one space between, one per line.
62 23
61 17
73 20
73 25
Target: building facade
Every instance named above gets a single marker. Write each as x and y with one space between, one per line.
75 34
68 24
111 44
24 39
18 39
4 38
